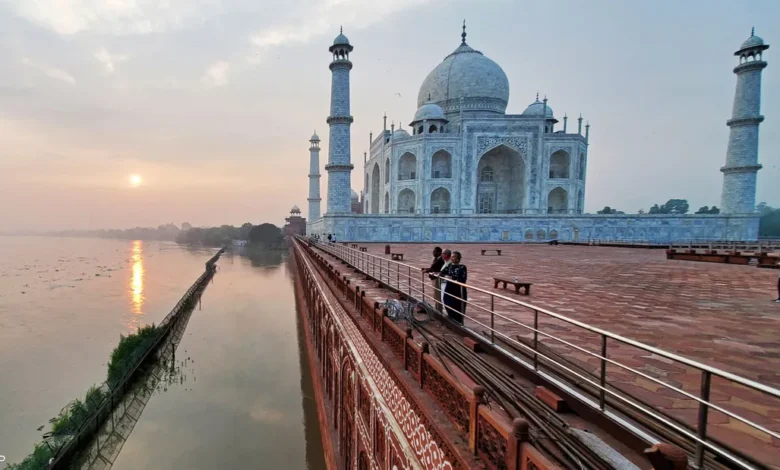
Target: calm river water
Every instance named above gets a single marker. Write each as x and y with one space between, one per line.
244 398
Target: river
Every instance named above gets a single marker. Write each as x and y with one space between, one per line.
244 396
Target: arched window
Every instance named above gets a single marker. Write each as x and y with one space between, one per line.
441 165
558 201
387 171
486 203
559 164
581 168
432 129
406 202
529 234
375 182
407 167
486 176
540 234
440 201
553 234
420 130
387 203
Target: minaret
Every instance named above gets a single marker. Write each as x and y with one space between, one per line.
314 178
339 165
739 173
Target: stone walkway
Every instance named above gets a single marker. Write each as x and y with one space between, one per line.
717 314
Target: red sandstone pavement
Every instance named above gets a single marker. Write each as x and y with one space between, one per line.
717 314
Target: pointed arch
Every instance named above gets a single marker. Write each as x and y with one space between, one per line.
558 201
387 171
387 202
375 182
580 201
501 181
559 164
407 201
407 167
440 201
441 164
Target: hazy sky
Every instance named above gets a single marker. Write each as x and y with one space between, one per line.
213 101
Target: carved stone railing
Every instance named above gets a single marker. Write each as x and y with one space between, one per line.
498 442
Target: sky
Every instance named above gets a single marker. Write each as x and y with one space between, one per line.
213 102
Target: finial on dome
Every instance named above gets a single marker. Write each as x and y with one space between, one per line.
537 96
341 29
463 34
429 96
752 31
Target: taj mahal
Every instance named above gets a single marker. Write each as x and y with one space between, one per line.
466 170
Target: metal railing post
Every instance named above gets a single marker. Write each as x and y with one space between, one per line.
492 323
602 390
409 280
536 339
703 413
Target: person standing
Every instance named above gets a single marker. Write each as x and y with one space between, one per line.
433 275
454 295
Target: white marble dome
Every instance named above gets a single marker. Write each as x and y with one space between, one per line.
314 137
341 40
400 133
537 108
355 196
295 210
468 75
429 111
752 41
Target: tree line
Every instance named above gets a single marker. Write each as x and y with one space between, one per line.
264 235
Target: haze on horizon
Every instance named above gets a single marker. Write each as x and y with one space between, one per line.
211 102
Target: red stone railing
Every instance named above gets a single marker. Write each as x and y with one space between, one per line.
498 442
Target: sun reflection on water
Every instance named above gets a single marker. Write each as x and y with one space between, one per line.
137 284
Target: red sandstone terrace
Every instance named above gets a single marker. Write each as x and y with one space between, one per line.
719 315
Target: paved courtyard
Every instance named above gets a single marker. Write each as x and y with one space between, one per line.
717 314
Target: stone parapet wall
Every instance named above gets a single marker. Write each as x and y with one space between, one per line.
522 228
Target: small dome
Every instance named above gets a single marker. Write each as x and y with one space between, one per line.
752 41
537 109
429 111
295 210
314 137
341 40
355 196
400 133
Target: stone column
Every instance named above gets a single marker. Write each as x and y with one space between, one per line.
339 165
314 178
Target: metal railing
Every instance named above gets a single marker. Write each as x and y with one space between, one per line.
411 281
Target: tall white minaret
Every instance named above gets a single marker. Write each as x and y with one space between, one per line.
314 178
339 165
739 173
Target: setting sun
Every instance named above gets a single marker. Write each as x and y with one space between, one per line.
135 180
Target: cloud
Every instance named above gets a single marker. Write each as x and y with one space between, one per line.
115 16
109 61
217 75
52 72
326 17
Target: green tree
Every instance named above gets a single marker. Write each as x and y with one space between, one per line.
763 208
672 206
266 235
243 232
769 225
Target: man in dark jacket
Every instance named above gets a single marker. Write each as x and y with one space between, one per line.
433 275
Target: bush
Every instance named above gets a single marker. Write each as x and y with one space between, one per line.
130 349
39 459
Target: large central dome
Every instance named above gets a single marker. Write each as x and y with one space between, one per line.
468 75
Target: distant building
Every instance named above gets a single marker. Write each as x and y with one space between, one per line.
186 226
296 225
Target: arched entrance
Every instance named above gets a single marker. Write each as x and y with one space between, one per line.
558 201
440 201
441 165
500 181
406 202
375 182
559 164
407 167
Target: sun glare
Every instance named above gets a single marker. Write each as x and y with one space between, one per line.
136 180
